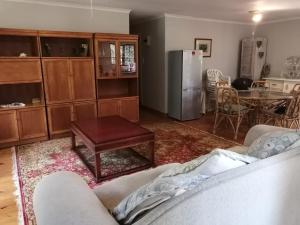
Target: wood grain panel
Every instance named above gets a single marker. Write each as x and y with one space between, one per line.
108 107
129 108
85 110
8 126
32 123
83 79
20 70
57 80
59 118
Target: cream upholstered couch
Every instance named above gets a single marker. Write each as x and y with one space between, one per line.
266 192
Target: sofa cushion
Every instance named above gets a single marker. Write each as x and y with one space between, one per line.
239 149
112 192
272 143
177 180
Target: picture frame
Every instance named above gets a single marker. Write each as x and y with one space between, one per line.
205 45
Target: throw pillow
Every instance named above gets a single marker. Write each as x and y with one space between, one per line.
272 143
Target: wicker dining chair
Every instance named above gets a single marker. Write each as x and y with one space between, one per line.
214 77
260 84
296 88
228 108
222 83
286 114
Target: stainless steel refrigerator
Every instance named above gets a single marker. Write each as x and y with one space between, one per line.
185 84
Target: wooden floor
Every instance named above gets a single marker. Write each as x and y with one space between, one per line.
8 208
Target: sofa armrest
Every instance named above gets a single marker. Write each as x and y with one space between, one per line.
64 198
258 130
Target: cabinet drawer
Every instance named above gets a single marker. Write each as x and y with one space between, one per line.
20 70
276 85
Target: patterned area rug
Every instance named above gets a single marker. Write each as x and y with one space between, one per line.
175 142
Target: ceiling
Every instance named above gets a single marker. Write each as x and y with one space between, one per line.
229 10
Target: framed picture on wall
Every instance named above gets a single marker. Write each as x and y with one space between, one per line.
205 45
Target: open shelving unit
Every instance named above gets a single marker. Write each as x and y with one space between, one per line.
21 82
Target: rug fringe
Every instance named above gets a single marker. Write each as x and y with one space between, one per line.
17 193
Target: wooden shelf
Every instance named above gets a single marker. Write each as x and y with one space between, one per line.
116 96
117 87
13 46
24 93
59 46
27 106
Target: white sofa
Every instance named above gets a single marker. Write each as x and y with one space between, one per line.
266 192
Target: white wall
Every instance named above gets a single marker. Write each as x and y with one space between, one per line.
49 17
180 34
283 41
152 68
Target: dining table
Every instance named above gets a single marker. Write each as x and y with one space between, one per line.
259 98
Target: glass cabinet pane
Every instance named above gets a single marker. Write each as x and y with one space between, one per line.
127 59
107 59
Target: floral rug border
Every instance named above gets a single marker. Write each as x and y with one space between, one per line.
18 193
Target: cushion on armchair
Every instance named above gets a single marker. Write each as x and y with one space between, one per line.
273 143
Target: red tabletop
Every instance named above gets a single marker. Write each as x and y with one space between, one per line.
108 129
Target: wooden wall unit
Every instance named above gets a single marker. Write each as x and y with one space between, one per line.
69 76
75 76
116 58
21 81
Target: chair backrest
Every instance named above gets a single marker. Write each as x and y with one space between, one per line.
215 75
228 100
293 109
215 78
260 84
296 88
222 84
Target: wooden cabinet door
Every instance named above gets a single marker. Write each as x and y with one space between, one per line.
129 108
85 110
57 79
32 123
20 70
82 71
59 118
108 107
8 126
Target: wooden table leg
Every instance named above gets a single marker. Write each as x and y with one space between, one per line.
152 143
98 167
73 141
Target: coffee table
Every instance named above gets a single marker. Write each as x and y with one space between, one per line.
108 134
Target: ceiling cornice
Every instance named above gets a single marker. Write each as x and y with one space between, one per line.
280 20
72 5
205 19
